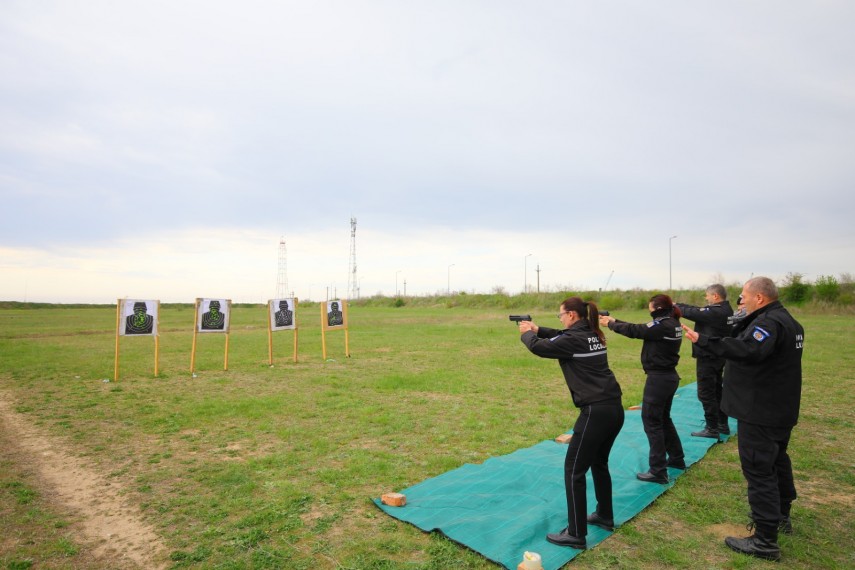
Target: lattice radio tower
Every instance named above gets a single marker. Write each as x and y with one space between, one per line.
352 283
282 275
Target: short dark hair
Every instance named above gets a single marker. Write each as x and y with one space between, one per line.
717 289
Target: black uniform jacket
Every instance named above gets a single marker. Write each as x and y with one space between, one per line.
763 374
583 361
711 320
661 349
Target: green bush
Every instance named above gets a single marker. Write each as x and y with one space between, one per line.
610 302
794 289
827 288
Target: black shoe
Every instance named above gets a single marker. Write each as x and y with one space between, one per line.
651 478
564 538
706 432
724 429
681 465
596 520
755 546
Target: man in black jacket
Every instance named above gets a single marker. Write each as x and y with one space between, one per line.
762 390
711 320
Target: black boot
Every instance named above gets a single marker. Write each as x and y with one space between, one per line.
724 429
564 538
652 478
762 544
706 432
596 520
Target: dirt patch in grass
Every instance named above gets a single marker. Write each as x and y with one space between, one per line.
113 528
820 493
724 530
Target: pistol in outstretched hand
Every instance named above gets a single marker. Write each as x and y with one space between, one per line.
518 318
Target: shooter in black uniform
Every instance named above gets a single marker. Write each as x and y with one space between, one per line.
660 354
711 320
580 349
762 390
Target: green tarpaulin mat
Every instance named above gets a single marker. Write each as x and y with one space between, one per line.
505 506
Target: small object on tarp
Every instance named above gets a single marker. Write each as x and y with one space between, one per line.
530 561
393 499
634 408
564 438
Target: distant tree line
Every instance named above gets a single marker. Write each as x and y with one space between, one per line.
826 293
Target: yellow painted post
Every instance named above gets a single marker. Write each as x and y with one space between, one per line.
269 334
296 327
324 329
346 327
226 362
195 331
118 321
157 342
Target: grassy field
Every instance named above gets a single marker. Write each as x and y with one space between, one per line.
275 467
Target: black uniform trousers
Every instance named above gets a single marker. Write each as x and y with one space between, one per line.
662 436
768 471
593 436
709 372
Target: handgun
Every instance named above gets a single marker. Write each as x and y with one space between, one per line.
518 318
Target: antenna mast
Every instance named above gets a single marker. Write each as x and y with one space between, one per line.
352 282
606 286
282 275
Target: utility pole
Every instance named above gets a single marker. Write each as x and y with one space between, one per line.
525 273
669 262
352 282
282 274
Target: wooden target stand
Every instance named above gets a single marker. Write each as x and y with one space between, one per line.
124 331
271 326
334 317
198 327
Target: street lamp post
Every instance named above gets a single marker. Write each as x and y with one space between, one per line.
525 275
669 262
448 286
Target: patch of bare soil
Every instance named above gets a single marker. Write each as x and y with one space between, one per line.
722 531
102 519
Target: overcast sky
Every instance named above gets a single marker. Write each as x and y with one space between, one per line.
161 150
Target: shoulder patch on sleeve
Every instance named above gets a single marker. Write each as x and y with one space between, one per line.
759 334
652 324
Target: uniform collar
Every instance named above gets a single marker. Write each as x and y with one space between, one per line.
750 318
662 313
580 324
